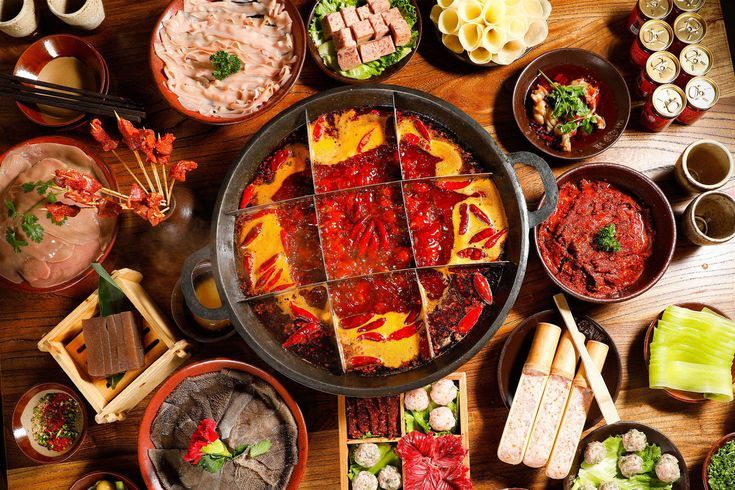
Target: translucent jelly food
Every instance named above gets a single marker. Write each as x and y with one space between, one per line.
370 241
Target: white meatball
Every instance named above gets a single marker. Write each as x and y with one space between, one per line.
441 419
634 441
667 469
443 391
588 486
367 454
595 453
416 400
389 478
611 485
630 465
365 481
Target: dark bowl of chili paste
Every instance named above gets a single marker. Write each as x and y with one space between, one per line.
612 235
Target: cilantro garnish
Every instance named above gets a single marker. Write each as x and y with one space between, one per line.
224 64
24 225
569 105
605 239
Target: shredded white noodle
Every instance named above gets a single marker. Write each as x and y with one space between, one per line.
258 32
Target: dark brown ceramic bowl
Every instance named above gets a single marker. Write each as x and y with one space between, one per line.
108 178
710 454
299 39
682 396
620 428
614 100
518 344
144 433
20 431
90 479
37 55
389 72
649 195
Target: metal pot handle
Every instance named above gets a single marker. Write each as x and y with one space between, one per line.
187 288
551 191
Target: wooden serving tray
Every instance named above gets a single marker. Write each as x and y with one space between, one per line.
163 352
345 442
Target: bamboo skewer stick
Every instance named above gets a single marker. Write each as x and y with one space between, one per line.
140 164
128 169
110 192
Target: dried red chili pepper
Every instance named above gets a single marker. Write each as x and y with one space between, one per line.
361 361
269 263
362 244
482 286
404 333
303 313
283 286
412 139
302 335
470 319
279 158
373 246
252 234
372 336
355 321
318 130
452 185
381 232
364 141
247 196
471 253
464 219
264 278
247 263
372 325
269 285
494 239
422 129
413 315
480 236
480 214
284 240
358 228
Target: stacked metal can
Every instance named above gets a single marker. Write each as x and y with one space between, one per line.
646 10
661 68
662 107
689 28
654 36
701 94
683 7
695 61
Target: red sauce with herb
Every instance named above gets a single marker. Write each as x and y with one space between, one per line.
55 420
568 239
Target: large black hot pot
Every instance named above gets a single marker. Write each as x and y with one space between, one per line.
222 256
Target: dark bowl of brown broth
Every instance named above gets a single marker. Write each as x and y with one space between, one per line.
64 60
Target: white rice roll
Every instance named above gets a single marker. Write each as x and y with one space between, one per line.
470 36
470 11
515 26
533 8
445 4
448 21
511 51
493 38
546 5
536 33
452 42
436 11
494 12
480 56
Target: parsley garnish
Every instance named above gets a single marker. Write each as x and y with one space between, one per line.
26 222
224 64
605 239
569 105
14 241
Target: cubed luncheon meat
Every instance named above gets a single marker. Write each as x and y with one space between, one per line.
380 27
400 31
364 12
378 6
348 58
392 15
331 24
363 31
343 39
373 50
349 15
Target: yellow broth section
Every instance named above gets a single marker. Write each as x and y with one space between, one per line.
286 300
340 140
267 244
393 353
449 152
295 163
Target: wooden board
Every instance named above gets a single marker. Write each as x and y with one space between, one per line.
696 274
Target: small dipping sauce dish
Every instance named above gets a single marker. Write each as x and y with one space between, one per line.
710 218
64 60
705 165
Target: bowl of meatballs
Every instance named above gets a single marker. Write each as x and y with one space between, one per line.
627 455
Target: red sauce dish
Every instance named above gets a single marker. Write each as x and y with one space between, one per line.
622 238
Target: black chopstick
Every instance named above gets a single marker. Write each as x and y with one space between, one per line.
26 90
78 105
17 80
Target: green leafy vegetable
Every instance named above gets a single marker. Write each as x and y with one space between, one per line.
15 241
26 222
373 68
11 208
606 240
721 469
570 107
112 381
419 419
388 456
224 64
254 450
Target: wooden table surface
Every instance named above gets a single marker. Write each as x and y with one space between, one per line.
696 274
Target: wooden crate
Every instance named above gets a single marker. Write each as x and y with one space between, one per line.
163 351
345 442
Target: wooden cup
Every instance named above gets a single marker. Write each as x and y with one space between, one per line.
705 165
87 14
710 218
18 17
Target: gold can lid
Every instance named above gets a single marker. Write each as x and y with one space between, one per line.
695 59
702 92
662 67
656 35
689 5
655 9
668 100
690 28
